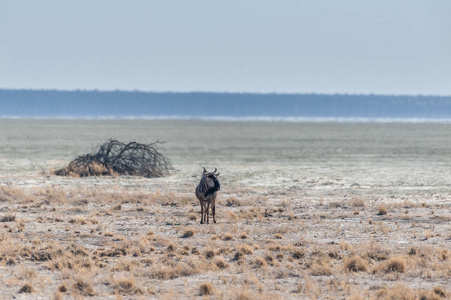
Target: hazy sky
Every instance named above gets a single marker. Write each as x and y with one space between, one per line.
284 46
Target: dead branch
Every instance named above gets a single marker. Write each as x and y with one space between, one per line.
117 158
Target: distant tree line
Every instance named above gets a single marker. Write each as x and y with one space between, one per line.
51 103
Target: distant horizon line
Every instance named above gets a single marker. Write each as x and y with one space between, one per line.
219 118
218 92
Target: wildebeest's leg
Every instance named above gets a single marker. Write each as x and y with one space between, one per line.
201 212
208 215
213 210
205 211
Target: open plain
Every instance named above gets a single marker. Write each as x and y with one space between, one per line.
306 210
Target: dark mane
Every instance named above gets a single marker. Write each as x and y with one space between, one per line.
213 189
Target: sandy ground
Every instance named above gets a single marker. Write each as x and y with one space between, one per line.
328 211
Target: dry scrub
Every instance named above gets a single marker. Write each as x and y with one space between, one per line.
105 241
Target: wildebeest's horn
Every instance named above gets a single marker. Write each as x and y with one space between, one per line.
215 170
205 171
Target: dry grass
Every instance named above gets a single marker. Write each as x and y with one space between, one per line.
8 218
399 291
396 264
278 236
357 202
209 253
206 289
355 264
320 270
243 235
84 287
227 237
26 288
127 286
188 232
298 254
221 263
381 210
99 242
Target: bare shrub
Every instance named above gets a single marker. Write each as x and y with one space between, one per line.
114 157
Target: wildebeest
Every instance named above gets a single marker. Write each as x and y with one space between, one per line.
206 192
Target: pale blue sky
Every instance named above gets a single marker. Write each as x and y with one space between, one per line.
285 46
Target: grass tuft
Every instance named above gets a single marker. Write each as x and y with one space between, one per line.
8 218
245 249
62 288
355 264
84 287
127 285
298 254
395 264
220 263
189 232
227 237
439 291
206 289
26 288
320 270
381 210
209 253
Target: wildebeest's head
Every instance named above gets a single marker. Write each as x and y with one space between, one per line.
213 176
